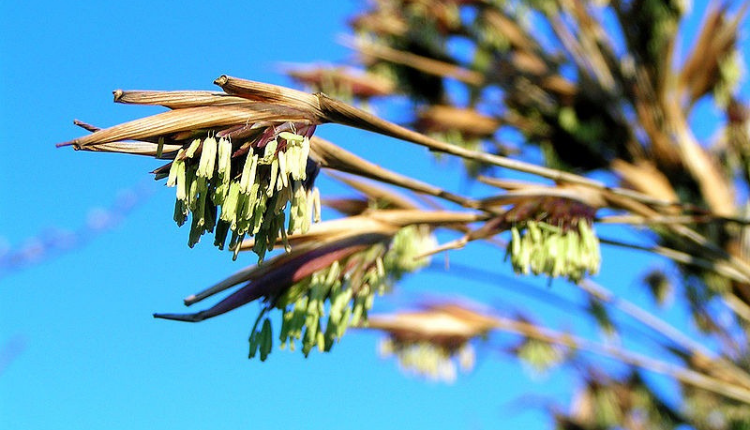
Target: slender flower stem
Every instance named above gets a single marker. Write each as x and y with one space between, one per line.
724 268
418 62
345 114
671 219
677 372
721 267
337 158
660 326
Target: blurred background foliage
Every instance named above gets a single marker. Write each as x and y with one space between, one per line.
601 88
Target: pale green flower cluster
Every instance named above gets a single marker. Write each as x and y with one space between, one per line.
540 248
731 69
408 244
246 197
539 356
428 359
344 292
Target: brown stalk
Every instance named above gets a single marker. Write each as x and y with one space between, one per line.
134 148
337 158
189 119
177 99
342 113
724 268
376 192
333 230
715 189
677 372
670 219
404 217
700 353
418 62
506 184
716 39
267 93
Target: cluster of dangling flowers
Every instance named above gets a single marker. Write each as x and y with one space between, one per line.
541 248
343 292
433 361
556 239
435 342
245 188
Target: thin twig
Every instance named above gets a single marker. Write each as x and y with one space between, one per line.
721 267
418 62
700 353
345 114
677 372
671 219
337 158
643 316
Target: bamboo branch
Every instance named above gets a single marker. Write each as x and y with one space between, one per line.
337 158
672 219
345 114
721 267
418 62
700 353
677 372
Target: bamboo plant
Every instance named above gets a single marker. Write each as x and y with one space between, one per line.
593 89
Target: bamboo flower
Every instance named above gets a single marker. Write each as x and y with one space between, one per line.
433 342
238 162
334 271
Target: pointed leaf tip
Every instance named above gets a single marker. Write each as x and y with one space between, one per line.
196 317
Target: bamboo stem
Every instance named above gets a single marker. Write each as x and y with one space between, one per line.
700 353
677 372
345 114
721 267
671 219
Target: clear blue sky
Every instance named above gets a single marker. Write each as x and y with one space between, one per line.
91 356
